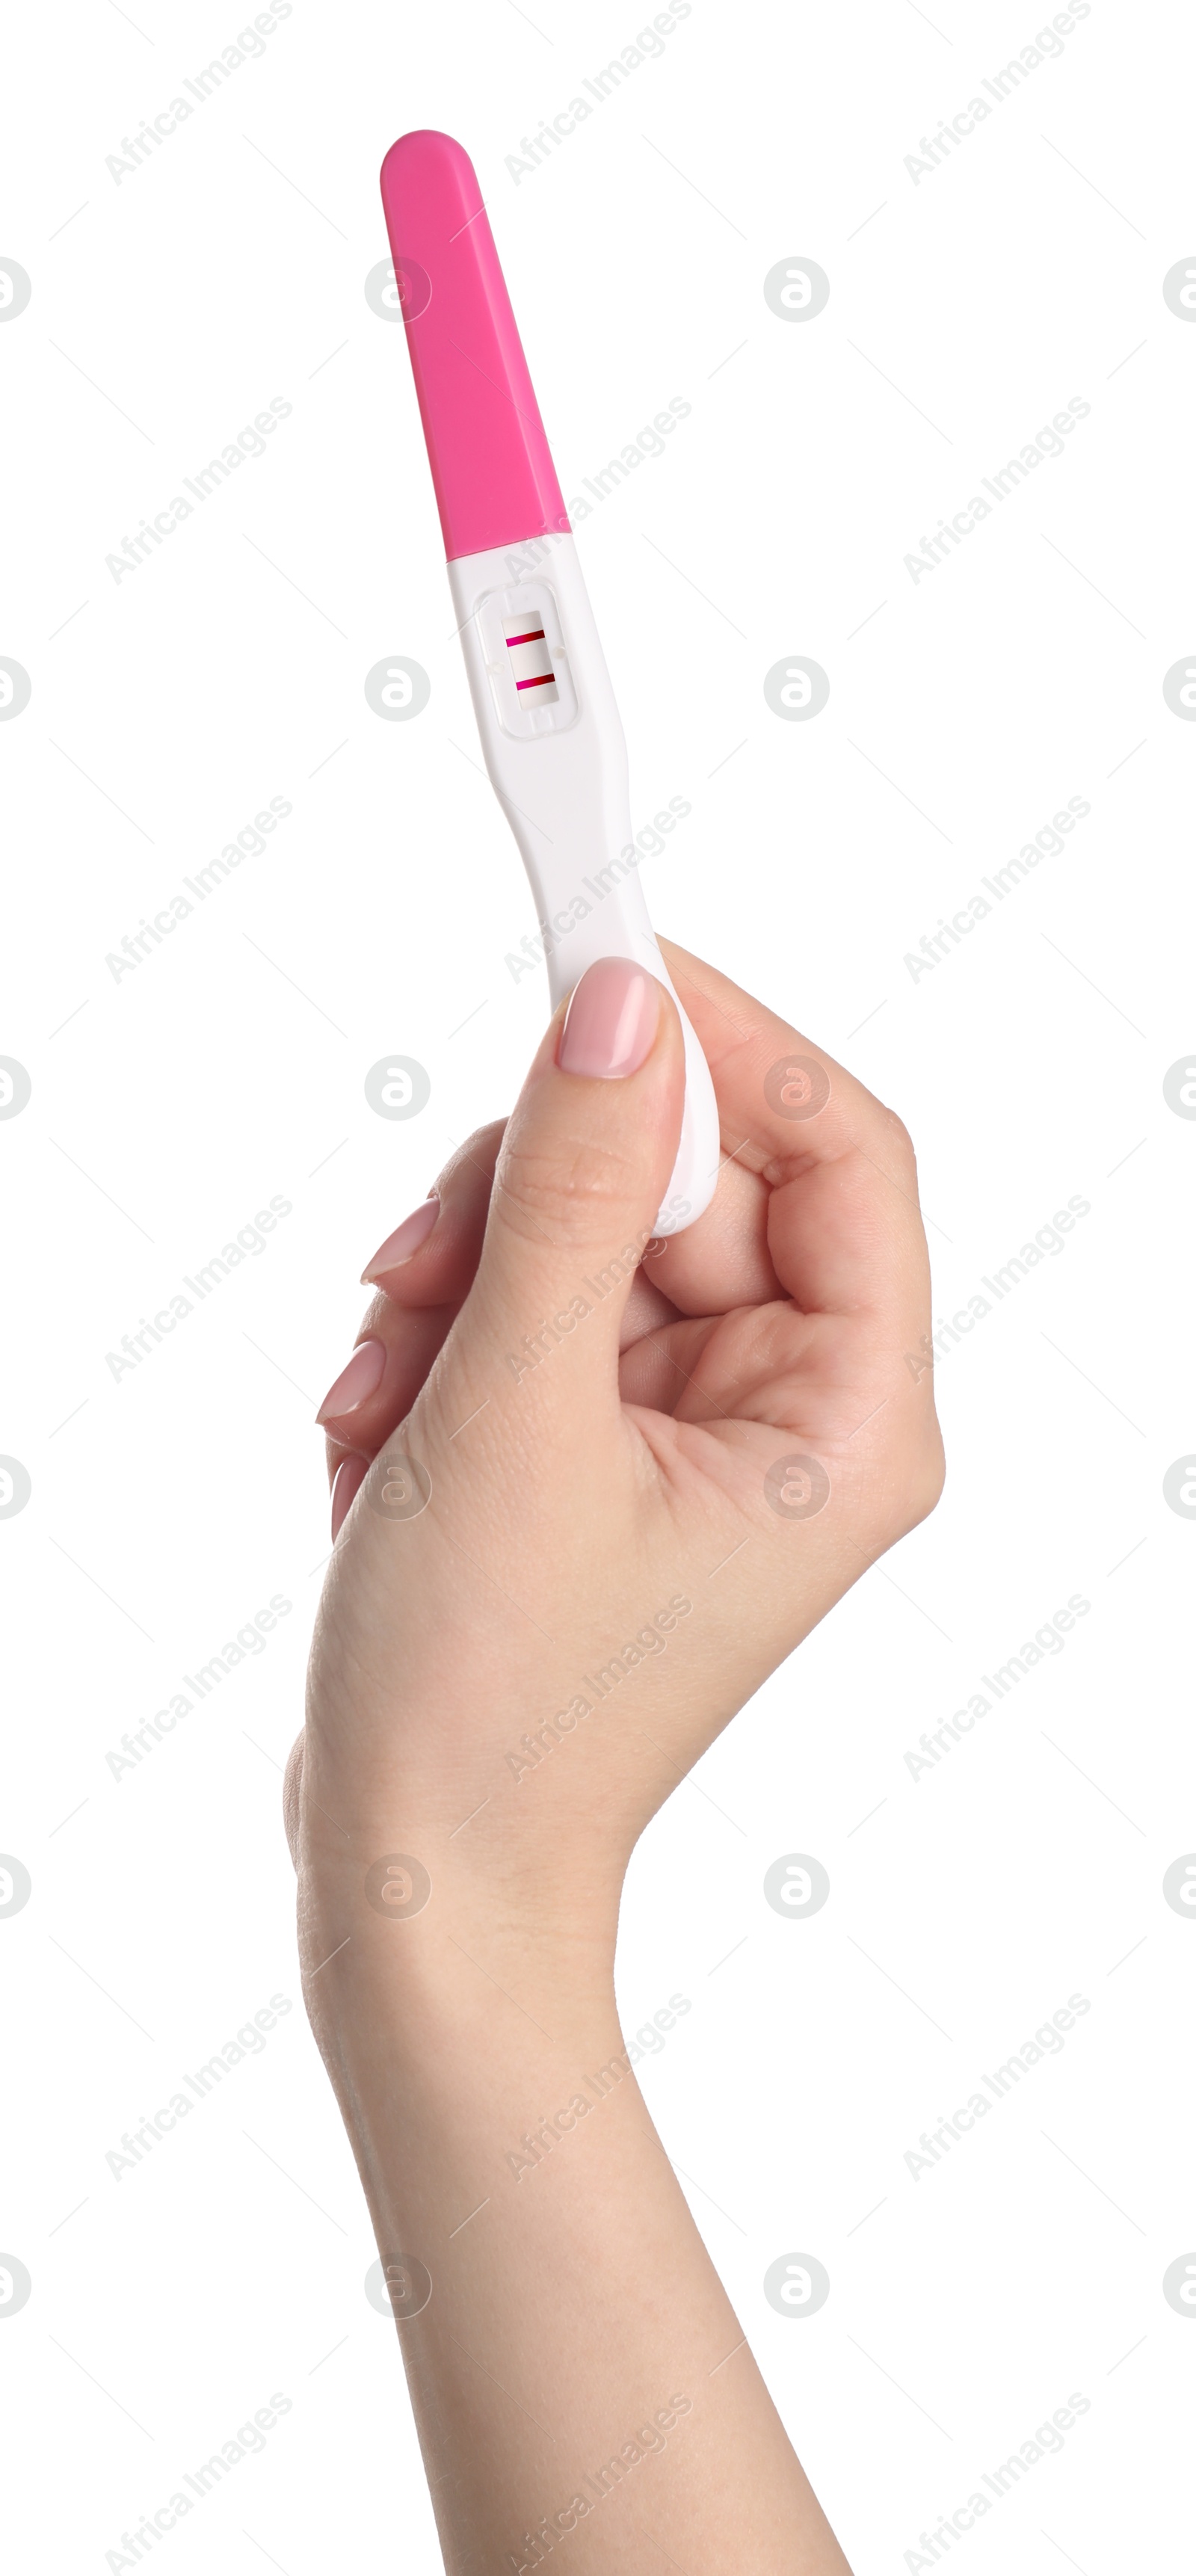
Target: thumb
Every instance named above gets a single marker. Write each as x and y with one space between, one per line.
584 1166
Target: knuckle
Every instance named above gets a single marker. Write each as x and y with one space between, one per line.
574 1191
900 1141
911 1478
928 1475
292 1790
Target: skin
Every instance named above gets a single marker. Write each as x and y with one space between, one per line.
573 2305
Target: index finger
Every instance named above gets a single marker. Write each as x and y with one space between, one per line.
844 1225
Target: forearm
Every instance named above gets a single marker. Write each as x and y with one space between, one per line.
577 2372
609 1547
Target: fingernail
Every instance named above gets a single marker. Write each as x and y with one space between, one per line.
347 1481
400 1245
611 1020
363 1375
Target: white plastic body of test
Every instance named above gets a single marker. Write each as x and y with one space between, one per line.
560 773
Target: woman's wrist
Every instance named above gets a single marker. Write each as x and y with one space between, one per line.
405 1975
460 2068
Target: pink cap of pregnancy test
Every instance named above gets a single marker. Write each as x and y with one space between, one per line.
494 477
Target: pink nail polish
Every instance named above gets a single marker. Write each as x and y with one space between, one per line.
400 1245
362 1377
349 1478
611 1021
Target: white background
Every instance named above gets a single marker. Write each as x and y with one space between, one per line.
169 1105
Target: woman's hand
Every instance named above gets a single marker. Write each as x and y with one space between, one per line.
590 1488
611 1425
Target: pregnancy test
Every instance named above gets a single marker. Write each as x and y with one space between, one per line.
551 735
